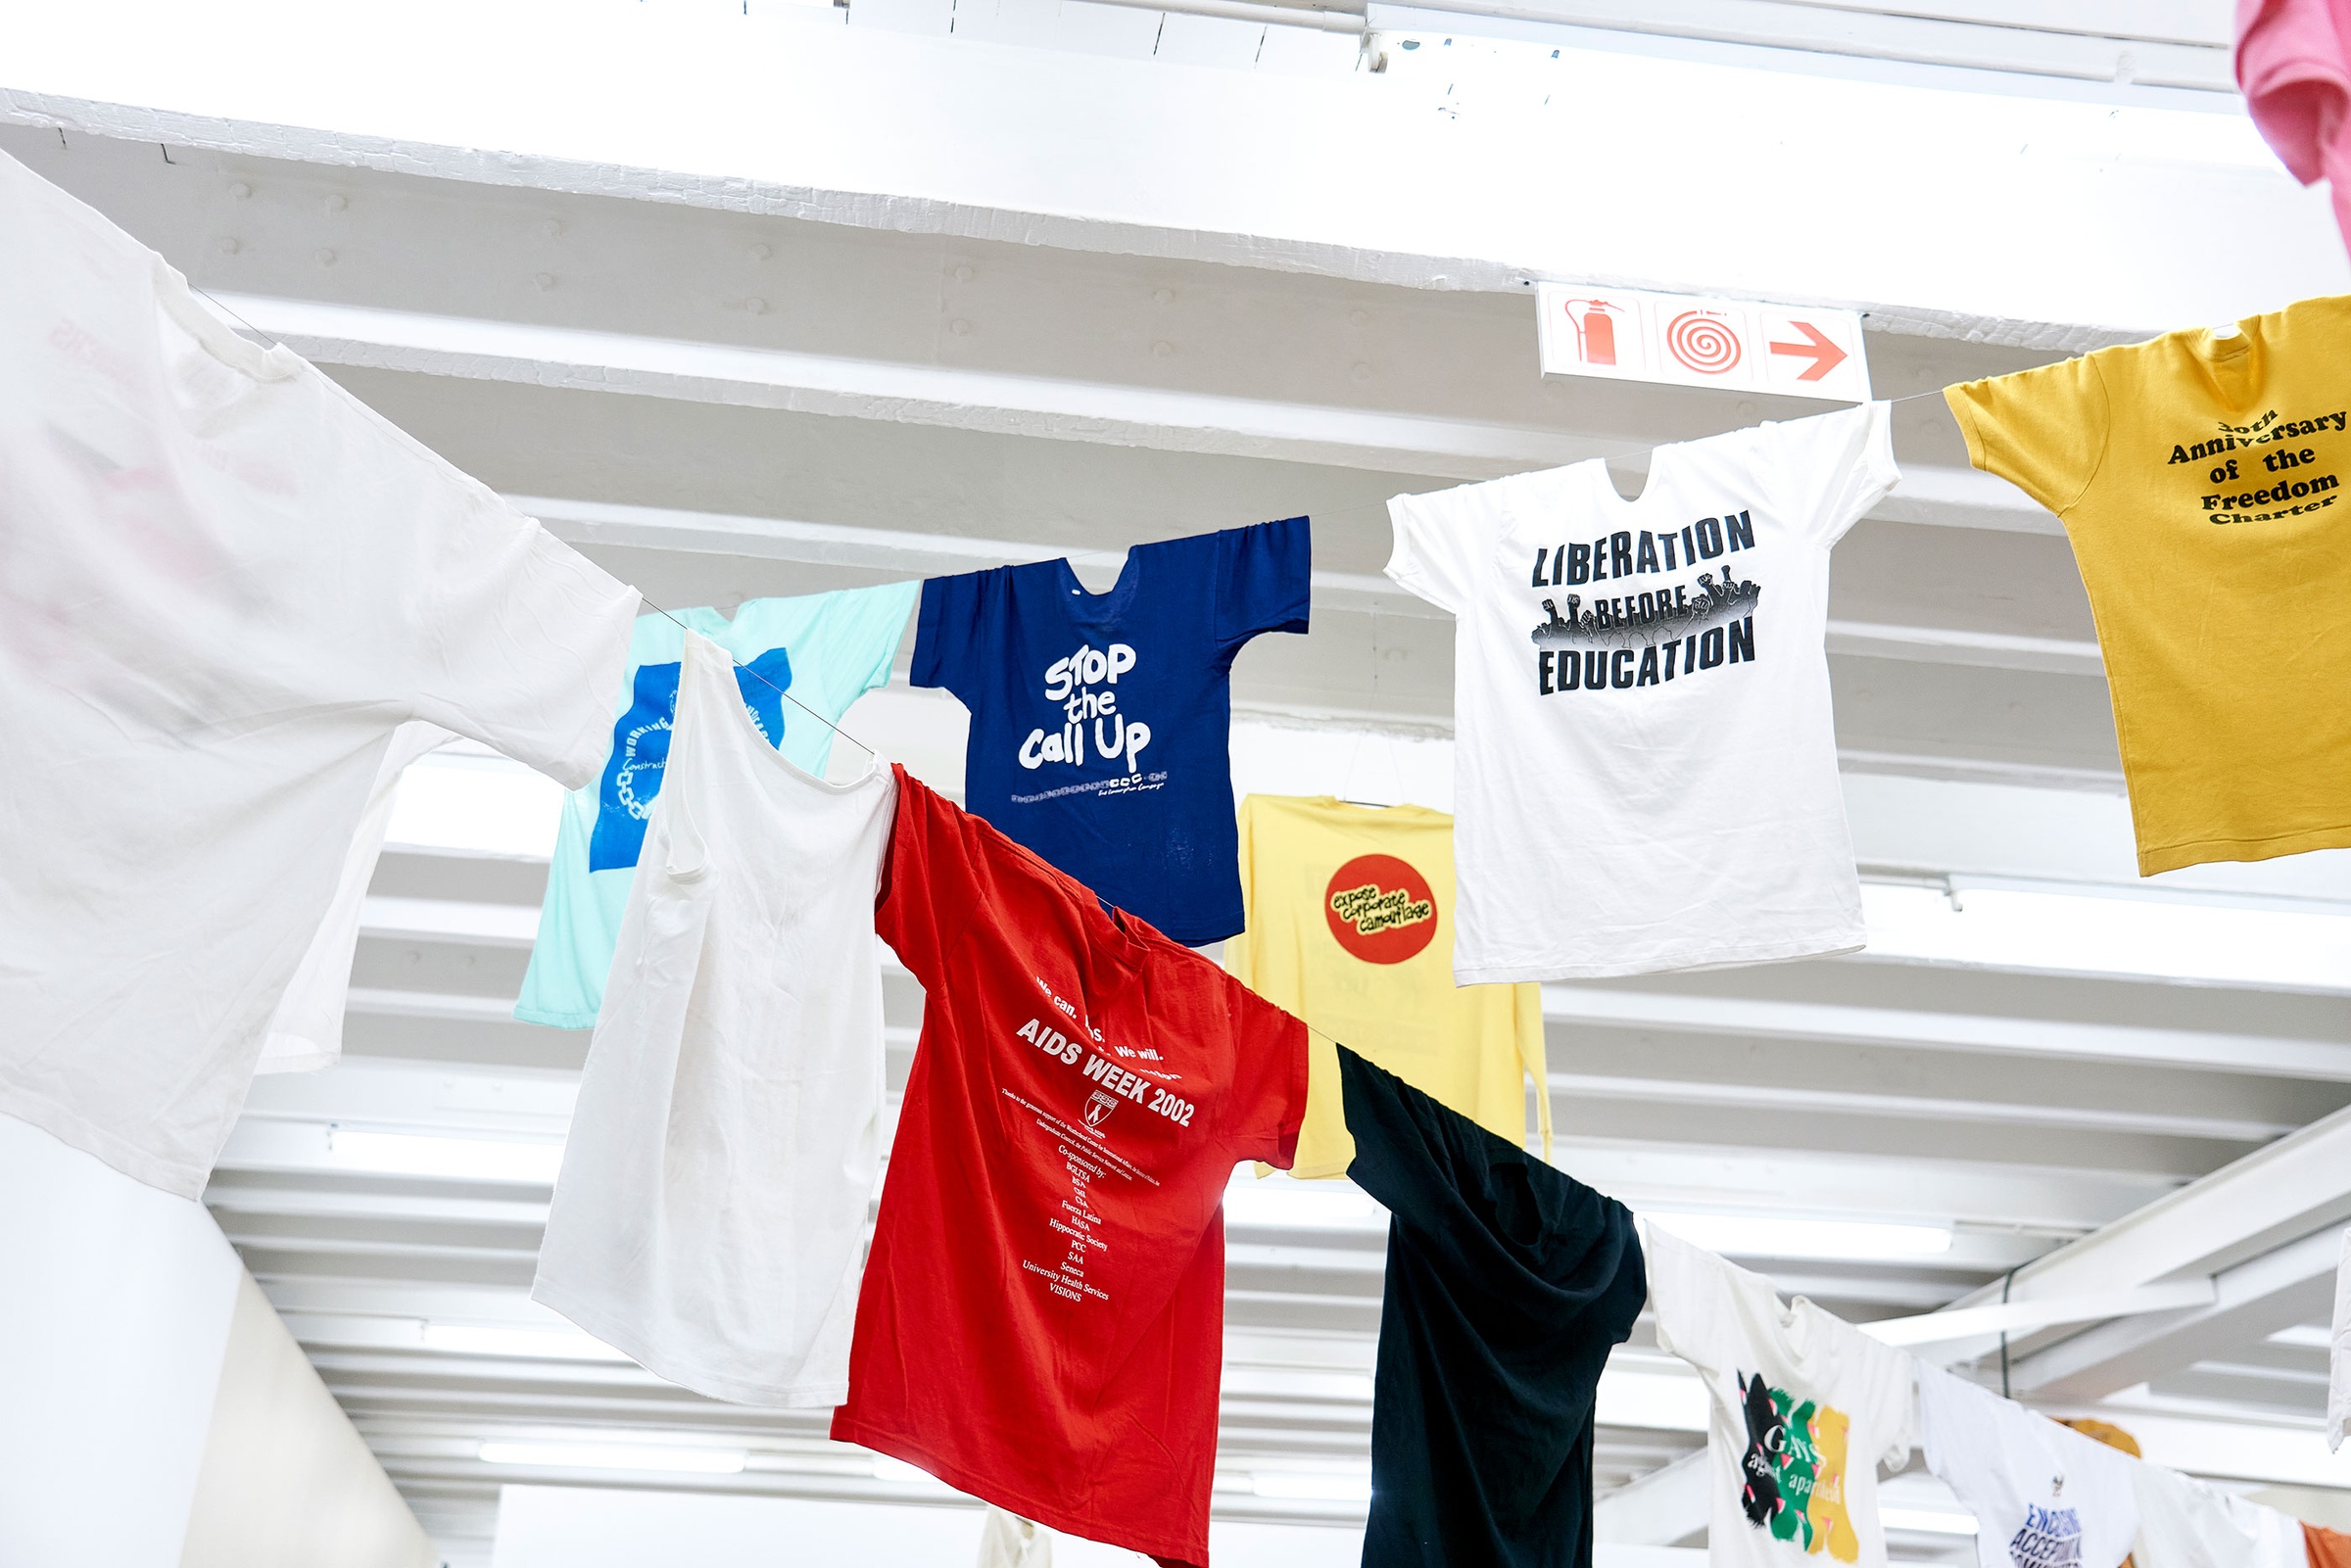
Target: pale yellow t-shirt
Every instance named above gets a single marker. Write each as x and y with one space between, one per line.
1351 929
2201 481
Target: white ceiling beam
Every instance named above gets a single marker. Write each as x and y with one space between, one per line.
1987 1033
584 359
2276 1451
450 1007
1616 1554
1355 175
430 1300
444 920
1943 496
2262 1229
2244 1305
1335 20
1976 37
234 1191
2064 835
890 553
1965 1325
1664 1507
1936 644
2007 1201
2276 1195
587 359
1810 1100
1946 769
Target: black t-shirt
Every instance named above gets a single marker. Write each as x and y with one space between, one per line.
1507 1284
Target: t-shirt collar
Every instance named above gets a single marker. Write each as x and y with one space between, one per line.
2233 367
1092 609
1611 505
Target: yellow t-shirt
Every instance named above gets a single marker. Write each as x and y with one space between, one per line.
1351 928
2201 481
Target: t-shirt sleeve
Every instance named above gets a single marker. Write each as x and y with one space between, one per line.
1686 1293
527 639
1438 539
930 878
2042 430
1834 467
1944 1429
1894 1399
947 632
1240 952
874 624
1263 579
1269 1080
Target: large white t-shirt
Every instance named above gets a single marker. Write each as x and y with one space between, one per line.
224 581
1645 760
710 1211
2043 1496
305 1031
1803 1407
2184 1523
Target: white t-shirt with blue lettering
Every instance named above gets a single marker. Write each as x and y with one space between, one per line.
2043 1496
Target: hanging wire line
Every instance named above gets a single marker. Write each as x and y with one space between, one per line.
1089 555
238 319
743 669
1361 508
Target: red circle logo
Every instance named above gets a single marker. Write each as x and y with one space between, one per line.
1381 909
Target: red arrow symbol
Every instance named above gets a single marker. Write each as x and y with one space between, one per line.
1824 355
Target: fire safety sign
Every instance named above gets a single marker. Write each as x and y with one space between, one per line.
1689 340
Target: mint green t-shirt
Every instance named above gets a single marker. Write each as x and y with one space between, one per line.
824 650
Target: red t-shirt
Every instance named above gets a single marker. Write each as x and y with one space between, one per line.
1041 1322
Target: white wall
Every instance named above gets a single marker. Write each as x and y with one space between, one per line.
154 1411
287 1481
114 1306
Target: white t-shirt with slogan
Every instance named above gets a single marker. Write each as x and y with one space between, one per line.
1644 769
1802 1409
2043 1496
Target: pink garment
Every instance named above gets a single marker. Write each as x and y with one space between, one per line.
2294 63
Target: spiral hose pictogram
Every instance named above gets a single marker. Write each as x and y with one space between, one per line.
1703 342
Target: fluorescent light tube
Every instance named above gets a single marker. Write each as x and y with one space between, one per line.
2101 933
2304 1337
553 1343
899 1473
1313 1485
1770 1236
616 1456
1278 1200
1928 1521
411 1153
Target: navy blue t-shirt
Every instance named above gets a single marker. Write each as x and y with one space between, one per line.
1101 724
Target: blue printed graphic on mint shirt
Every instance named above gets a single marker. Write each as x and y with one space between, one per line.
641 749
1101 723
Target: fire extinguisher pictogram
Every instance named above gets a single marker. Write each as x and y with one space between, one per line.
1595 330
